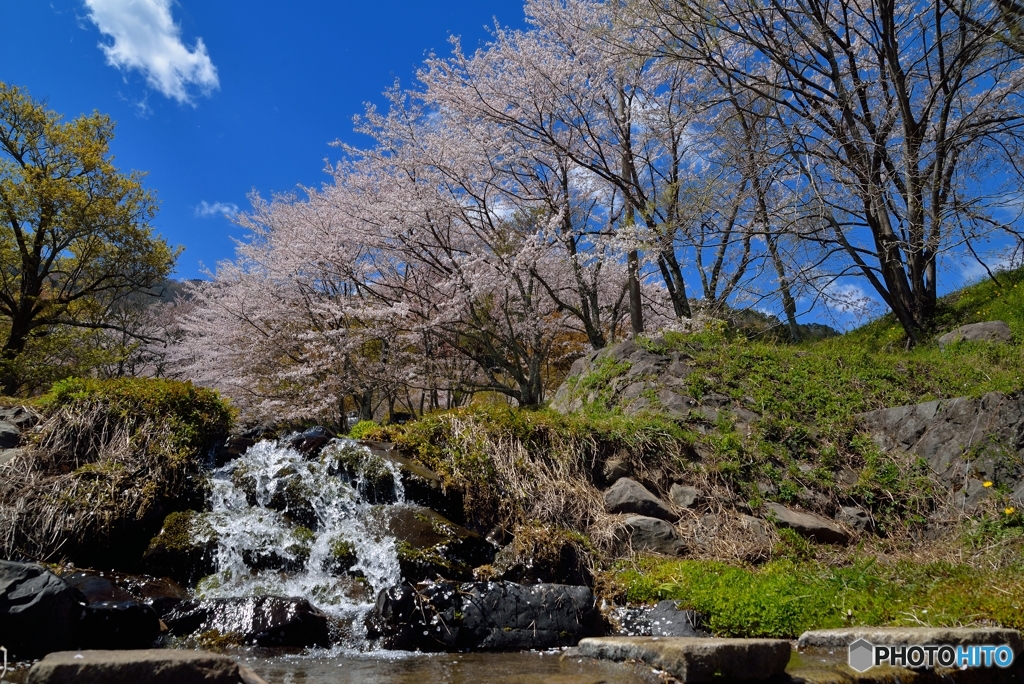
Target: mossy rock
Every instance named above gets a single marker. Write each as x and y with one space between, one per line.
431 546
184 550
341 559
541 553
292 495
292 556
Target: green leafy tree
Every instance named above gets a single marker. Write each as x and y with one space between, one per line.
75 235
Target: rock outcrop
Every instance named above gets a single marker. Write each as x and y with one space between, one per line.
635 379
963 440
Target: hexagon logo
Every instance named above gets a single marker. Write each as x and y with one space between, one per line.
862 655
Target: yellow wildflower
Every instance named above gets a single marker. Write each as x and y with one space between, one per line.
986 484
1010 510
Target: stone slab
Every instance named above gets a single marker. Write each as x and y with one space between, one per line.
692 659
153 666
843 637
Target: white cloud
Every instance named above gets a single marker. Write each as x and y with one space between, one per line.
147 39
849 299
206 210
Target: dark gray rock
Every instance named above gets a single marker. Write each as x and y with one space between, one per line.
157 666
988 331
960 439
311 441
10 435
495 616
807 524
184 549
684 496
270 621
641 533
663 619
39 612
118 625
629 496
21 417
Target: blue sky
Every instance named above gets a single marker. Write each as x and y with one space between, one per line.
214 98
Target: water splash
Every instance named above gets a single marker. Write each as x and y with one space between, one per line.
287 524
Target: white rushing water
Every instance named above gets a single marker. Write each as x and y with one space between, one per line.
282 520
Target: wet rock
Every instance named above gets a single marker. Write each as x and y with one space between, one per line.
629 496
238 443
95 587
697 660
857 518
184 550
683 496
498 616
663 619
539 553
270 621
431 546
808 524
640 533
311 441
39 612
157 666
371 466
118 625
988 331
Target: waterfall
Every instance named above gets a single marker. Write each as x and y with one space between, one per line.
290 524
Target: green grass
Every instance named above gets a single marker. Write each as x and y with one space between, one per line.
784 598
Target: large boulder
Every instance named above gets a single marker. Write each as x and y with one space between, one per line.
960 439
641 533
497 616
629 496
988 331
39 612
260 620
807 524
158 666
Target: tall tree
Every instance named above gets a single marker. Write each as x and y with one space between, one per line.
74 232
901 117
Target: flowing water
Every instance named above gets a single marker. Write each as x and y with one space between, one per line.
280 518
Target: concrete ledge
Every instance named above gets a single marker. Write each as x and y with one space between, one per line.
152 666
694 659
841 638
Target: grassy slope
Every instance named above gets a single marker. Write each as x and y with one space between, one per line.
808 396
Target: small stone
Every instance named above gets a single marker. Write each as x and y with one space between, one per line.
629 496
683 496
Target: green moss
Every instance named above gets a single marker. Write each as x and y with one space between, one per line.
362 429
784 598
